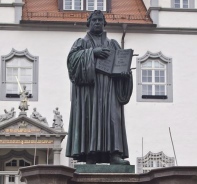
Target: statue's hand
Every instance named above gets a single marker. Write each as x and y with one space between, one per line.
100 52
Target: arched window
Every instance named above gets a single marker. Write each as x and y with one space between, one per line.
24 66
154 78
12 163
17 162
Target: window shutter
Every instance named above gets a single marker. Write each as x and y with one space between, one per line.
172 3
60 5
191 4
108 6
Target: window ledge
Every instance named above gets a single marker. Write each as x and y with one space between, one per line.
16 96
154 97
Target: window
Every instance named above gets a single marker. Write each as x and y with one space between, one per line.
11 178
23 163
12 163
23 66
73 4
85 5
154 78
181 4
96 5
17 163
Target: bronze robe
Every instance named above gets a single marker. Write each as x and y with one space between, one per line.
97 122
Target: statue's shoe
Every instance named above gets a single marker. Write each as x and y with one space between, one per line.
117 160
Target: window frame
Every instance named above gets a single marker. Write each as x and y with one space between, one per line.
168 97
95 5
153 83
31 58
73 7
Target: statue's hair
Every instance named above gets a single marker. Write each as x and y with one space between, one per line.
95 12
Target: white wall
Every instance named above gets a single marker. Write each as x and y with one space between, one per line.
177 19
7 15
152 120
7 1
54 85
148 120
147 3
165 3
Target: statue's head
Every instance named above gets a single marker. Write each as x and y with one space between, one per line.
34 109
24 87
96 22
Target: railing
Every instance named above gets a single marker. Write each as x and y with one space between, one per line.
10 177
83 15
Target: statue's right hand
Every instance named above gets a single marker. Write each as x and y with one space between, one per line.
100 52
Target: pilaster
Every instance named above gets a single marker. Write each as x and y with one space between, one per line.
56 156
154 11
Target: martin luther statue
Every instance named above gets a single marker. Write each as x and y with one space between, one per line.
97 132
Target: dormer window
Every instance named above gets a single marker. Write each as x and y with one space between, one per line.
85 5
73 4
96 5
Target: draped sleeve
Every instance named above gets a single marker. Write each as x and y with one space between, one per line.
123 85
81 64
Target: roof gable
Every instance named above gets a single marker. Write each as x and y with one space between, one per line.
25 125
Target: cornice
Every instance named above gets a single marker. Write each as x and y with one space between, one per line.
11 4
111 28
171 9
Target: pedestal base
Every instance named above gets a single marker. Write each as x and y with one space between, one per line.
22 113
56 174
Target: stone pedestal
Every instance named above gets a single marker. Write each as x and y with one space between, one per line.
46 174
53 174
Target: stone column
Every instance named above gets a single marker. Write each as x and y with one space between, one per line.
16 179
6 179
56 156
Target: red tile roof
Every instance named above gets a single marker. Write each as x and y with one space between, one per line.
122 11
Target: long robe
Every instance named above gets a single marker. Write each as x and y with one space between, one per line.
97 122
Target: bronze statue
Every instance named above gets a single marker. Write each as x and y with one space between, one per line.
97 131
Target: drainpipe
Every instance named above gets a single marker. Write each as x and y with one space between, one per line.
124 27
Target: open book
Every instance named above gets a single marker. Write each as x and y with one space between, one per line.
118 61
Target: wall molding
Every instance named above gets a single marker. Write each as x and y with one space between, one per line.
11 4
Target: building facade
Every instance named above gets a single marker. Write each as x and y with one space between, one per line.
153 161
36 37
